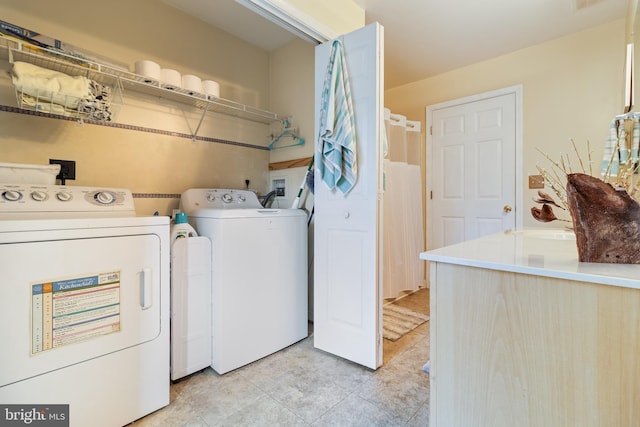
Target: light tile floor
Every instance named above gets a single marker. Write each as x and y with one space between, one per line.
303 386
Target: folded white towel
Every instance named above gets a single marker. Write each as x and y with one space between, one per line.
46 107
49 85
54 92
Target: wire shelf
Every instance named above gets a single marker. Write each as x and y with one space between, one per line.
120 80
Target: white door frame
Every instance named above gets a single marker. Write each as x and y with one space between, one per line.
517 91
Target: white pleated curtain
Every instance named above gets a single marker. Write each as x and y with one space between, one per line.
402 203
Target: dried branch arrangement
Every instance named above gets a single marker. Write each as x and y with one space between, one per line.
556 179
605 215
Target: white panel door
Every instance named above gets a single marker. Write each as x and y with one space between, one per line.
347 264
473 163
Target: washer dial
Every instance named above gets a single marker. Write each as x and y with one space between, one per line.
64 196
12 195
39 196
104 197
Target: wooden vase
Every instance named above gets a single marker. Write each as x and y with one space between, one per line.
606 221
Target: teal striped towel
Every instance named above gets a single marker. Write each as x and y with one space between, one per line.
336 147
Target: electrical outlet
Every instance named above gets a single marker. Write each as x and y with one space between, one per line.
67 169
536 181
279 185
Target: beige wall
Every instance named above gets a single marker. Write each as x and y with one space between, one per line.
149 29
292 93
281 81
145 162
292 84
572 88
341 16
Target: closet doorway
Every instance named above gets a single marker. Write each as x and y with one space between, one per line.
474 166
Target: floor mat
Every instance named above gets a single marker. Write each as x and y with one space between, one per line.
397 321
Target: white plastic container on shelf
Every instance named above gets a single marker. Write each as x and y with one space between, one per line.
180 228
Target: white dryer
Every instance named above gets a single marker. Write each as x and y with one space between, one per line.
84 303
259 274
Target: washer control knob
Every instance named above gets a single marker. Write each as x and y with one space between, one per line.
39 196
104 197
63 196
12 195
226 197
242 198
211 197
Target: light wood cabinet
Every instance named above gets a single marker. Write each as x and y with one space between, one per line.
511 349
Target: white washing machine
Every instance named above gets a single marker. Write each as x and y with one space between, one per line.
84 303
259 274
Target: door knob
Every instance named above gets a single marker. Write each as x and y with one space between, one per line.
507 208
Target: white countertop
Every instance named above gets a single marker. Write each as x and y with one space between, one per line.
541 252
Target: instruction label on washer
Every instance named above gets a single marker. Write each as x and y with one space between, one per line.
74 309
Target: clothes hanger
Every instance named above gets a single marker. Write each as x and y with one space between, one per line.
286 132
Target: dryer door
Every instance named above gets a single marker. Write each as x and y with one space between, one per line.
66 301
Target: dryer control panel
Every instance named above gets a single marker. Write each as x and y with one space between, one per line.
218 198
59 201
